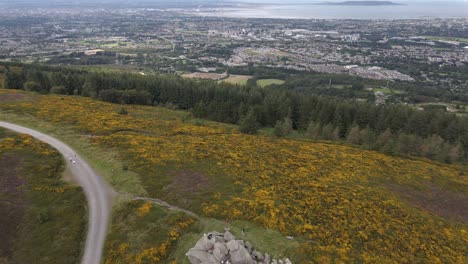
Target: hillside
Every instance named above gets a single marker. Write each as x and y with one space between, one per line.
340 203
38 210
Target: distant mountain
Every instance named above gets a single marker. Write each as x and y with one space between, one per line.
361 3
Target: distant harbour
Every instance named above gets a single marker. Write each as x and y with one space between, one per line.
319 11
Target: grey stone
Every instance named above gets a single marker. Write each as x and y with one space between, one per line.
239 255
215 248
197 256
249 246
228 236
257 255
241 242
220 251
205 243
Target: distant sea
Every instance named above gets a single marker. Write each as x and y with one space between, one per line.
409 11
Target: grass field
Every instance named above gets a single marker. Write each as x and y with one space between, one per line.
43 219
340 203
387 91
266 82
237 79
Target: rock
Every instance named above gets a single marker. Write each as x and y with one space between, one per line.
205 243
220 252
239 255
249 247
241 242
258 256
290 237
215 248
228 236
197 256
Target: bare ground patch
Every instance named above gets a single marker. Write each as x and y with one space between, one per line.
186 181
447 204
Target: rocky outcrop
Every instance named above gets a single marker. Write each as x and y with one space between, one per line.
215 248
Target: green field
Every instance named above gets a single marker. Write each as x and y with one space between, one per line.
237 79
266 82
387 91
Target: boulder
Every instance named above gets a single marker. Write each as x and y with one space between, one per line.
239 255
241 242
215 248
228 236
205 243
220 252
197 256
258 256
249 246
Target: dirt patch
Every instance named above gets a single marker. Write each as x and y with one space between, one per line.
189 181
11 202
14 97
447 204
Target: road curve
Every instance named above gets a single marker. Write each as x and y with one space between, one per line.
96 190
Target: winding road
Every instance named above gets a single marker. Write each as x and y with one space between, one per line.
97 192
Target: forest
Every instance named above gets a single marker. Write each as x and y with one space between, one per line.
391 128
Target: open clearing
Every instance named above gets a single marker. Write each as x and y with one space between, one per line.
237 79
266 82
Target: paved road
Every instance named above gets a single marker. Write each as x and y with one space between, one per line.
96 190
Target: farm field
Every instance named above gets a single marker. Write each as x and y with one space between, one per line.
236 79
341 204
266 82
39 211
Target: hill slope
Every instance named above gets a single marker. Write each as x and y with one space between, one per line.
341 203
43 219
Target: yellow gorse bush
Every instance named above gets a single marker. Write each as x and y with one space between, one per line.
155 253
335 197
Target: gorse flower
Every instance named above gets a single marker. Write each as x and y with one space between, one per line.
338 199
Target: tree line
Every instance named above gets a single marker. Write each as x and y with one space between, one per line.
394 129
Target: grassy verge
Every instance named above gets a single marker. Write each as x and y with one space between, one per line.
43 219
